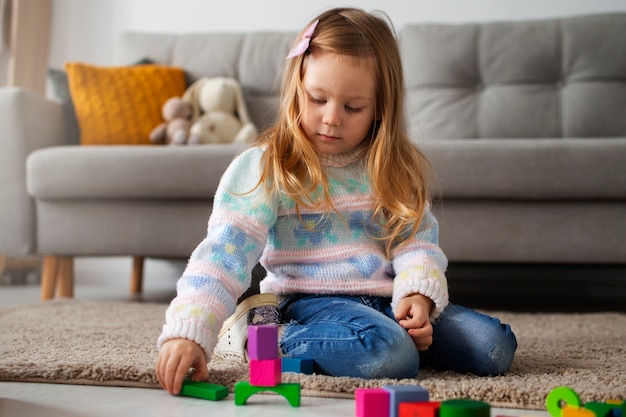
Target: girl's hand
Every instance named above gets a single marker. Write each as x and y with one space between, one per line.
175 359
413 313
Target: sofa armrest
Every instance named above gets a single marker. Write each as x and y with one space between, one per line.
28 121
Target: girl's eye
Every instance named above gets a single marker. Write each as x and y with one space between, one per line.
349 109
316 100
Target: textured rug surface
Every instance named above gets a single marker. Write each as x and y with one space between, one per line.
114 343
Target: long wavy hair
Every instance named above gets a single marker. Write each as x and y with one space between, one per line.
400 175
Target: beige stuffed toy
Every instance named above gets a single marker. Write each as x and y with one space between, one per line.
175 130
220 114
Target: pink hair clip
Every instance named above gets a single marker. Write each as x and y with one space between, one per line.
303 45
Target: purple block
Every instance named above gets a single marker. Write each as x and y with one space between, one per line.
263 342
404 394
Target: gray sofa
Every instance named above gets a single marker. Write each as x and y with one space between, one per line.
524 122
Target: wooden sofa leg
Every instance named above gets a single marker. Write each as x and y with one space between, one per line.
49 277
65 277
136 278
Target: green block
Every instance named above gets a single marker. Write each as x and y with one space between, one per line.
464 408
203 390
607 409
291 391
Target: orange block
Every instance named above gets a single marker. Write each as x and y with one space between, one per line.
569 411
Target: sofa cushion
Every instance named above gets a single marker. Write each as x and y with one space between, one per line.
526 79
550 169
121 105
522 169
128 172
61 92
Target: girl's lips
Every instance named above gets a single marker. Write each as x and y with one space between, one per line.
328 138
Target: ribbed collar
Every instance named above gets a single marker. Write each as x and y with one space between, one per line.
344 158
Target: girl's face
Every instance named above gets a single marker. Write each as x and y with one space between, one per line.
339 100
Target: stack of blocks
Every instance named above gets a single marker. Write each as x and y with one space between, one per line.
265 367
413 401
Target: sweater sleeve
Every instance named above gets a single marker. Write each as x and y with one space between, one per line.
420 267
219 269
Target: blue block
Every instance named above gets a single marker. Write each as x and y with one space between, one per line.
404 394
298 366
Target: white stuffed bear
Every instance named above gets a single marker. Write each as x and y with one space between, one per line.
220 113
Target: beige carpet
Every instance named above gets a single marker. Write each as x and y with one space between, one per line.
113 343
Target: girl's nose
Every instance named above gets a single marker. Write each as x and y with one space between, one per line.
331 116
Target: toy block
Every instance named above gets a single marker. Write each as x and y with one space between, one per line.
464 408
559 397
291 392
569 411
299 366
607 409
265 373
203 390
372 402
404 394
263 342
419 409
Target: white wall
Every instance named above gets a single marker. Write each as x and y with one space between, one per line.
84 29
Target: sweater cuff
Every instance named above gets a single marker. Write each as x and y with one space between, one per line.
192 330
430 288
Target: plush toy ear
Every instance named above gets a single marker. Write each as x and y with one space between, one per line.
192 96
158 134
242 109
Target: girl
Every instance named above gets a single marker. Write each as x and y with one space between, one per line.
334 202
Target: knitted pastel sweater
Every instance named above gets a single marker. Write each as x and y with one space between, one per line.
324 253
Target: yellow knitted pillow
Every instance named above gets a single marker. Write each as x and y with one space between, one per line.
121 105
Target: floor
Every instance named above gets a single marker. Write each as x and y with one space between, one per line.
93 282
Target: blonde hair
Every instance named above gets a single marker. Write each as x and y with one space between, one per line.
399 173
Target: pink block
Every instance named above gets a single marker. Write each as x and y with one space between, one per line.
265 373
263 342
372 402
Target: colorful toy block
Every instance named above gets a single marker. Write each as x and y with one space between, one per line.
403 394
464 408
569 411
203 390
372 402
607 409
265 373
419 409
560 397
265 367
299 366
291 392
263 342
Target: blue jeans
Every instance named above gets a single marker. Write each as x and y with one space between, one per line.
358 336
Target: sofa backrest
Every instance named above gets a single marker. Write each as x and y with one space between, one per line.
254 59
525 79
